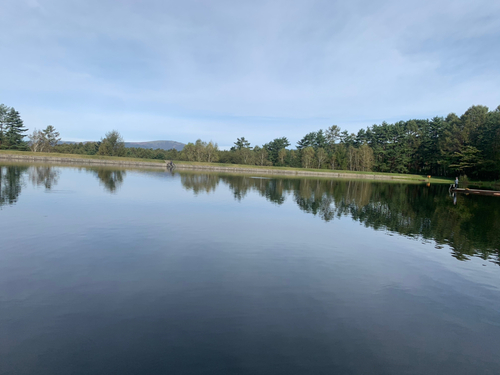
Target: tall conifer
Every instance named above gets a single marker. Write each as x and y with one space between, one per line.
14 131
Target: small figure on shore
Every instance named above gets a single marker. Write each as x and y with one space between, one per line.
456 182
170 165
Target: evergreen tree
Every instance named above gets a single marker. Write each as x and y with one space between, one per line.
273 148
332 135
52 137
240 144
14 129
320 140
307 141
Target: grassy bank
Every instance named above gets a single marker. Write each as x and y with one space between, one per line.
402 176
78 156
483 184
201 165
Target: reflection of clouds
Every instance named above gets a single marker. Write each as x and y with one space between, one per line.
44 175
11 182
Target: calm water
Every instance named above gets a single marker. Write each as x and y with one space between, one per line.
106 271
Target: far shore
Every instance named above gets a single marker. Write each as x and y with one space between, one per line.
96 160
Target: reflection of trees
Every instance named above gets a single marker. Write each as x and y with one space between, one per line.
471 228
10 183
273 189
43 175
110 178
200 182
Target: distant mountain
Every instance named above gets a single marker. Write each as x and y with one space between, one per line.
164 145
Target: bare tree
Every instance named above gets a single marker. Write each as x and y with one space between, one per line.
37 141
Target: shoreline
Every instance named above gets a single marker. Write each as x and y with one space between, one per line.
288 172
82 160
89 161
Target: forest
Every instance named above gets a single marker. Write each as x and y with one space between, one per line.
466 145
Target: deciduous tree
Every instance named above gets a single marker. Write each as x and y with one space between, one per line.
112 145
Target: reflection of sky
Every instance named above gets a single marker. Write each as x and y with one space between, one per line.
219 70
157 271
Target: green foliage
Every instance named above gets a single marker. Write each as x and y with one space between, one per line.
332 136
200 151
314 139
443 146
51 136
11 129
308 154
44 140
240 143
82 148
261 156
274 147
112 145
464 180
321 156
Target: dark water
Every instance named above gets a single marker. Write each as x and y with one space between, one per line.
106 271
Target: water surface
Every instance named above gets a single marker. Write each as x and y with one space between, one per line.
146 272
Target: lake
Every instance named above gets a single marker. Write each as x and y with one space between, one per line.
113 271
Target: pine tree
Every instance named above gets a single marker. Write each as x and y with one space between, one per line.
14 137
52 137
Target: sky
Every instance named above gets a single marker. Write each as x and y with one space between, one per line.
218 70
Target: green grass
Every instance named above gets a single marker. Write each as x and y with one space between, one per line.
80 156
256 167
482 184
399 176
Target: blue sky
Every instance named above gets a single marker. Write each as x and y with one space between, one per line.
218 70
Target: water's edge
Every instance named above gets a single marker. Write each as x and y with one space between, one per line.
84 161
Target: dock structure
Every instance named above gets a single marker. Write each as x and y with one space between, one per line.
475 191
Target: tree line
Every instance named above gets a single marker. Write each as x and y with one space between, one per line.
447 146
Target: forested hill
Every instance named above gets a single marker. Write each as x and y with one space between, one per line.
163 145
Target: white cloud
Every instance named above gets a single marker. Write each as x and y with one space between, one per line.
223 69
